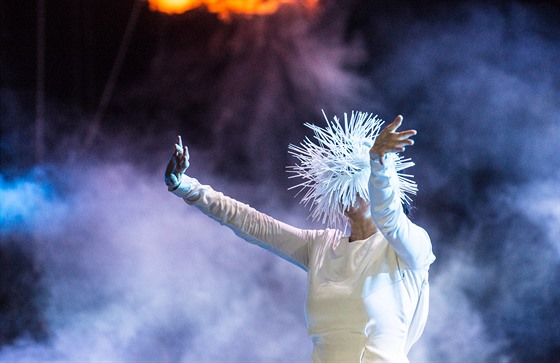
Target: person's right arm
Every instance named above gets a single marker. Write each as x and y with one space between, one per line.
255 227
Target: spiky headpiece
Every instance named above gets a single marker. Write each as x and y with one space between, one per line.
336 168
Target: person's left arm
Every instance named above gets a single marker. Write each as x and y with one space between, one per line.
409 241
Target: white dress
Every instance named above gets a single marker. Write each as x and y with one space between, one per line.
367 300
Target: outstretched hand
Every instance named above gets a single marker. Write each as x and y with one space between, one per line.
177 165
389 140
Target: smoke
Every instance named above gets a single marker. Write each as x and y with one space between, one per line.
259 79
134 274
481 90
128 272
456 331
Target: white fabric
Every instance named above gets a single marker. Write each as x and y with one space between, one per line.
367 300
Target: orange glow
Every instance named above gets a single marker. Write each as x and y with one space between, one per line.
225 8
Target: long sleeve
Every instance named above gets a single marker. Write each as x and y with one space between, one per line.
410 241
255 227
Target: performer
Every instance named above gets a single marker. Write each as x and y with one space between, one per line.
368 292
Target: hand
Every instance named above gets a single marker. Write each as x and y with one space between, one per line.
391 141
177 165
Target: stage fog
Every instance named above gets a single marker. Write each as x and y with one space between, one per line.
99 262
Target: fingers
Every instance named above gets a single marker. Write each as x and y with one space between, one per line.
401 145
404 141
391 141
405 134
395 124
179 146
180 156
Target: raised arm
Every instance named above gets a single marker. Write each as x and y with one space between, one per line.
410 241
255 227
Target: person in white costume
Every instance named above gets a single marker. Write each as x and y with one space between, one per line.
367 298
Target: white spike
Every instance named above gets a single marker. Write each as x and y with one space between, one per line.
335 168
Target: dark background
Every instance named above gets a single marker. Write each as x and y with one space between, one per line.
98 262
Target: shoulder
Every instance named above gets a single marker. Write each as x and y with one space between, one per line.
326 237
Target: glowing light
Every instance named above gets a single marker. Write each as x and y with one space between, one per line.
173 6
225 8
21 201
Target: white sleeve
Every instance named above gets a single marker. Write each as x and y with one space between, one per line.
409 241
253 226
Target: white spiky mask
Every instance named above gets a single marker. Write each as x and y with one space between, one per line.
336 168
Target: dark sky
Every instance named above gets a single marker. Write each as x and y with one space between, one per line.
101 253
